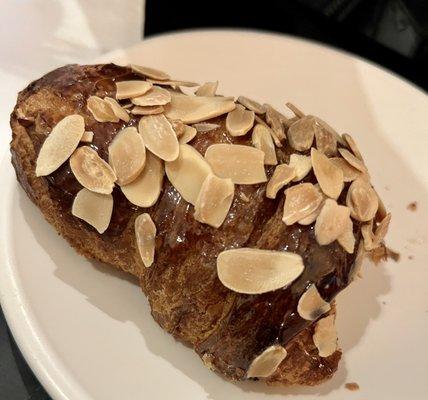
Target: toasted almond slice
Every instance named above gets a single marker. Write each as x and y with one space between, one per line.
91 171
173 83
192 109
349 172
188 135
266 363
239 121
368 236
382 229
381 211
93 208
156 96
275 120
150 72
352 160
188 172
301 133
178 127
208 89
328 128
145 235
300 201
251 105
329 176
347 238
130 89
117 109
60 144
282 175
144 191
325 336
301 164
127 106
331 223
359 258
147 110
255 271
271 132
243 164
214 200
297 112
159 136
326 141
262 140
352 145
87 137
127 155
362 200
311 305
205 127
311 218
101 110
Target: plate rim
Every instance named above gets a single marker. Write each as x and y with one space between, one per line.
39 355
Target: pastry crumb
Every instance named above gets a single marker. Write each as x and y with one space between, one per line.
383 253
413 206
352 386
410 257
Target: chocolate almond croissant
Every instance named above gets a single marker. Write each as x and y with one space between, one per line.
241 224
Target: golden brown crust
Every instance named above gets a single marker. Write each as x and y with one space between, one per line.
185 295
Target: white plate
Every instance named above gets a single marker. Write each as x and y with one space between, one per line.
86 330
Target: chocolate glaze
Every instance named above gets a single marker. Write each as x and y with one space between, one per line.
243 325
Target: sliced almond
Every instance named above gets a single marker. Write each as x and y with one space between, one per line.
145 235
147 110
347 238
328 128
266 363
311 218
301 164
60 144
101 110
325 336
208 89
271 132
93 208
349 172
368 236
300 201
329 176
214 200
297 112
382 229
352 145
117 109
301 133
188 172
156 96
331 223
91 171
178 126
275 121
173 83
326 141
127 106
144 191
87 137
282 175
159 137
362 200
262 140
150 72
251 105
311 305
359 258
192 109
130 89
188 135
243 164
239 121
205 127
127 155
381 211
255 271
352 160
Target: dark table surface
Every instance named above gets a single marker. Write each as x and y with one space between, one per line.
392 33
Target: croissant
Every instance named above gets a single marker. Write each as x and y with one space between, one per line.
240 223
